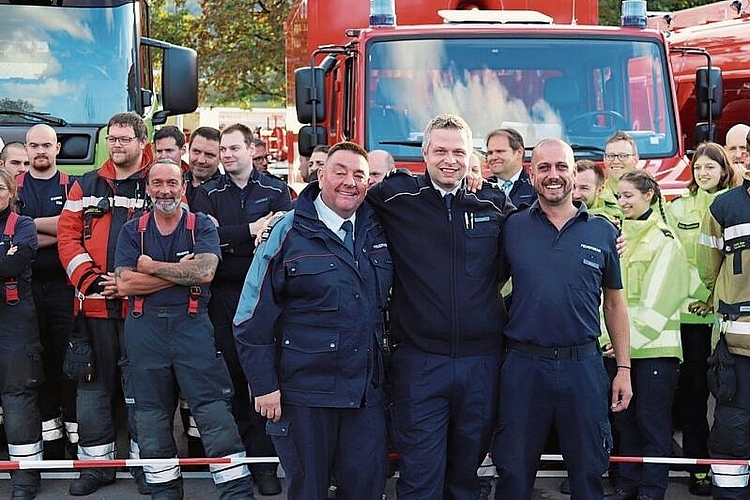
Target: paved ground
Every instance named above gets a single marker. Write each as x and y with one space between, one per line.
198 486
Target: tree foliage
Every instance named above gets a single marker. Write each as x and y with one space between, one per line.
609 10
240 46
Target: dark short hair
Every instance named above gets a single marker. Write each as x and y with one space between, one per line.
347 146
260 143
130 119
246 132
515 139
322 148
9 146
208 133
170 131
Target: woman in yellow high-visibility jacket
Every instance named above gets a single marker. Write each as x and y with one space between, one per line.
654 271
712 173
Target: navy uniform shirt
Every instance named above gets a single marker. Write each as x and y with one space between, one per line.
558 273
235 208
44 198
170 248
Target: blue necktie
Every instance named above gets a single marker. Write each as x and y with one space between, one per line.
348 229
448 199
507 186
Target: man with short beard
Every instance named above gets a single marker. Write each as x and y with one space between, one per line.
165 261
42 192
99 203
203 153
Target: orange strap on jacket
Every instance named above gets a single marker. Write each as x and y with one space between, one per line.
11 284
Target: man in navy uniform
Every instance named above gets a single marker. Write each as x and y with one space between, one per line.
309 331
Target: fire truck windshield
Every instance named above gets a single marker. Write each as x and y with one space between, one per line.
75 64
576 88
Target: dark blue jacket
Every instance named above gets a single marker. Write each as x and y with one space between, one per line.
17 265
235 208
445 295
310 318
522 192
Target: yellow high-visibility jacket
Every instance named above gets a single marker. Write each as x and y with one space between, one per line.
655 280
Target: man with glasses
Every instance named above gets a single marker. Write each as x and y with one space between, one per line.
260 157
620 156
98 205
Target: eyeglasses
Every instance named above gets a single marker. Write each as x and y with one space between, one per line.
122 140
619 156
258 158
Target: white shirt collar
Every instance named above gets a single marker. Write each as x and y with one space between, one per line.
442 191
331 219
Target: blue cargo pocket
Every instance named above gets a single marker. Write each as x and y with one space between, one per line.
280 433
605 434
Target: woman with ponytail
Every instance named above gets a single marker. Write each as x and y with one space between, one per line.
654 272
712 173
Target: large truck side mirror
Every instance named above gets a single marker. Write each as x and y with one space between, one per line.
179 83
705 132
310 99
709 92
310 136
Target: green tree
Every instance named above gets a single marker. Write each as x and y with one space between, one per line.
244 42
609 10
240 46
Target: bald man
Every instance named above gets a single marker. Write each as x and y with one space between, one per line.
381 162
736 146
42 193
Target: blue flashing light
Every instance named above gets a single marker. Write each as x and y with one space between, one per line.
382 13
633 14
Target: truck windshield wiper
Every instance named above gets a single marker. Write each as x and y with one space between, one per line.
416 144
41 117
586 148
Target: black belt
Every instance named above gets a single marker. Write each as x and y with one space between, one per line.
538 351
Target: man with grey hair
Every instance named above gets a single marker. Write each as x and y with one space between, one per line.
444 241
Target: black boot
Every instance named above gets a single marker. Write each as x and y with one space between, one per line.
54 450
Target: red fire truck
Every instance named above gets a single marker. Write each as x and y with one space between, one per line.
377 80
719 31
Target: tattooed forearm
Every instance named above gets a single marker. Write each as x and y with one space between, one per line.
195 271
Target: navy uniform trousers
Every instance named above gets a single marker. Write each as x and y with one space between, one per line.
537 392
168 348
443 415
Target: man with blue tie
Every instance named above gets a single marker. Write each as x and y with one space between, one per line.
309 334
505 152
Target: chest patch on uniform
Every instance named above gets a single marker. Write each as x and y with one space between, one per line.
682 225
592 248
